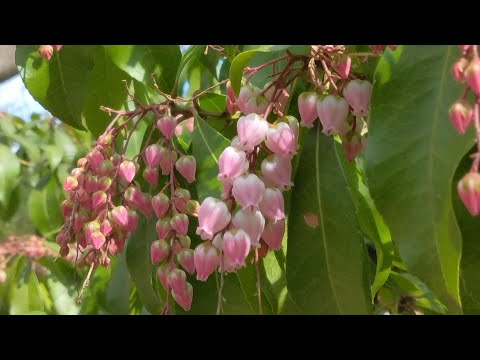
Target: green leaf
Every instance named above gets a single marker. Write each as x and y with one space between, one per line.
470 228
25 296
118 292
44 207
326 263
141 61
15 199
105 88
9 172
412 154
207 145
213 102
64 299
54 155
61 84
65 142
370 222
192 53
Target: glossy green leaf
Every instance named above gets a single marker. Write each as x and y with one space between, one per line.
105 88
44 207
213 102
54 155
118 292
326 258
61 84
192 53
207 145
63 297
141 61
412 154
9 171
25 295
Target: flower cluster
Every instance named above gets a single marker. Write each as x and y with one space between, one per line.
46 51
466 71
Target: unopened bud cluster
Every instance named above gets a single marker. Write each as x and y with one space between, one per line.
46 51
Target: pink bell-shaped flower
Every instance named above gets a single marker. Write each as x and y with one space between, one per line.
207 259
70 183
120 216
236 246
179 223
252 223
127 170
213 216
151 175
248 191
294 126
159 250
307 107
167 125
181 199
352 145
273 234
272 205
160 204
458 70
227 185
232 163
153 154
469 191
246 93
277 171
163 271
46 51
281 140
343 66
461 114
132 220
186 166
176 280
472 76
332 112
251 130
185 258
184 299
256 105
358 94
163 227
97 239
167 160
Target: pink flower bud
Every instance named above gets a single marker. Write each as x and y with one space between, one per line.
181 198
105 167
458 70
192 207
248 191
167 125
256 105
179 223
159 250
252 130
207 259
232 163
469 191
96 159
227 265
104 183
163 271
132 220
167 161
231 106
120 216
46 51
352 145
461 115
160 204
464 48
67 208
273 234
213 216
57 47
153 154
236 246
127 170
307 107
106 227
472 75
99 200
146 205
272 205
90 184
163 227
358 94
230 92
185 258
151 175
186 166
343 67
185 298
277 171
332 111
70 183
98 239
252 222
281 140
246 93
176 280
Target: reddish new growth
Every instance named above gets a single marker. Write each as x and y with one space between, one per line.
466 71
30 246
